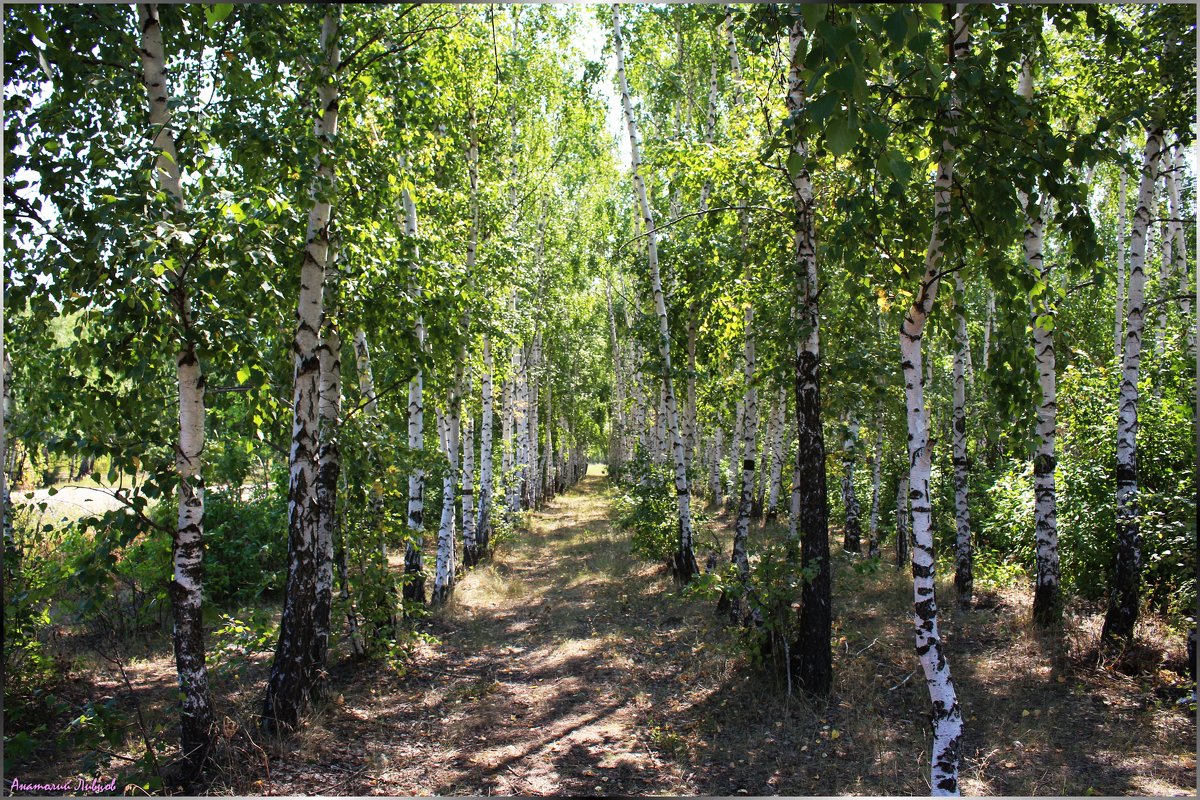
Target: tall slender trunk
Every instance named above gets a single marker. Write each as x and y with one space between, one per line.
471 552
852 534
295 679
448 432
811 656
616 457
964 580
684 563
196 715
689 427
749 434
902 534
1119 326
1047 609
876 463
366 387
548 459
1180 251
535 473
710 128
12 555
947 717
987 328
1122 611
1166 257
715 446
484 527
522 431
778 450
329 463
414 567
1180 265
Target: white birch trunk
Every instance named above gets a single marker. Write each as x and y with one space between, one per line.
444 568
1119 325
684 565
778 449
196 715
535 471
1047 610
1179 264
414 568
852 534
484 527
964 580
902 517
1122 611
947 717
1166 257
296 677
876 464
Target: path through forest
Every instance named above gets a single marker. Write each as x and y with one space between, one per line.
553 660
566 666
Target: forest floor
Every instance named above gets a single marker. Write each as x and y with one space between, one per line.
565 666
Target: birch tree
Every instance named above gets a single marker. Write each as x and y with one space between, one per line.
1122 613
296 676
684 563
187 550
947 717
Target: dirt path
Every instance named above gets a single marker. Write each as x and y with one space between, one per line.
545 680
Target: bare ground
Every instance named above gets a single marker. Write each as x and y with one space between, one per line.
566 667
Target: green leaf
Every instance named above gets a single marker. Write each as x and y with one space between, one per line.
243 374
841 136
217 12
795 163
843 78
896 26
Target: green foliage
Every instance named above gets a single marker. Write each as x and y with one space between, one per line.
647 507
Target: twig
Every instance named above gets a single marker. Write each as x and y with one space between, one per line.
137 705
865 649
901 683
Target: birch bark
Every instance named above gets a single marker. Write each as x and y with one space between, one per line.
684 565
484 527
964 581
852 535
812 659
294 683
187 550
414 568
873 523
1119 326
1047 610
947 717
1122 611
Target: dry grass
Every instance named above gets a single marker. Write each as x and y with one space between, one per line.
565 667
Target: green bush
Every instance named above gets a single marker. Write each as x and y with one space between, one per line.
647 507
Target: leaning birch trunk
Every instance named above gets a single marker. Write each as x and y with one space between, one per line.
947 717
443 577
187 547
1119 326
964 581
811 656
329 463
684 562
1122 611
294 682
852 535
483 531
414 568
873 522
1047 609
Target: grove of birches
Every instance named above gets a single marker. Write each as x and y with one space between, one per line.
329 302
